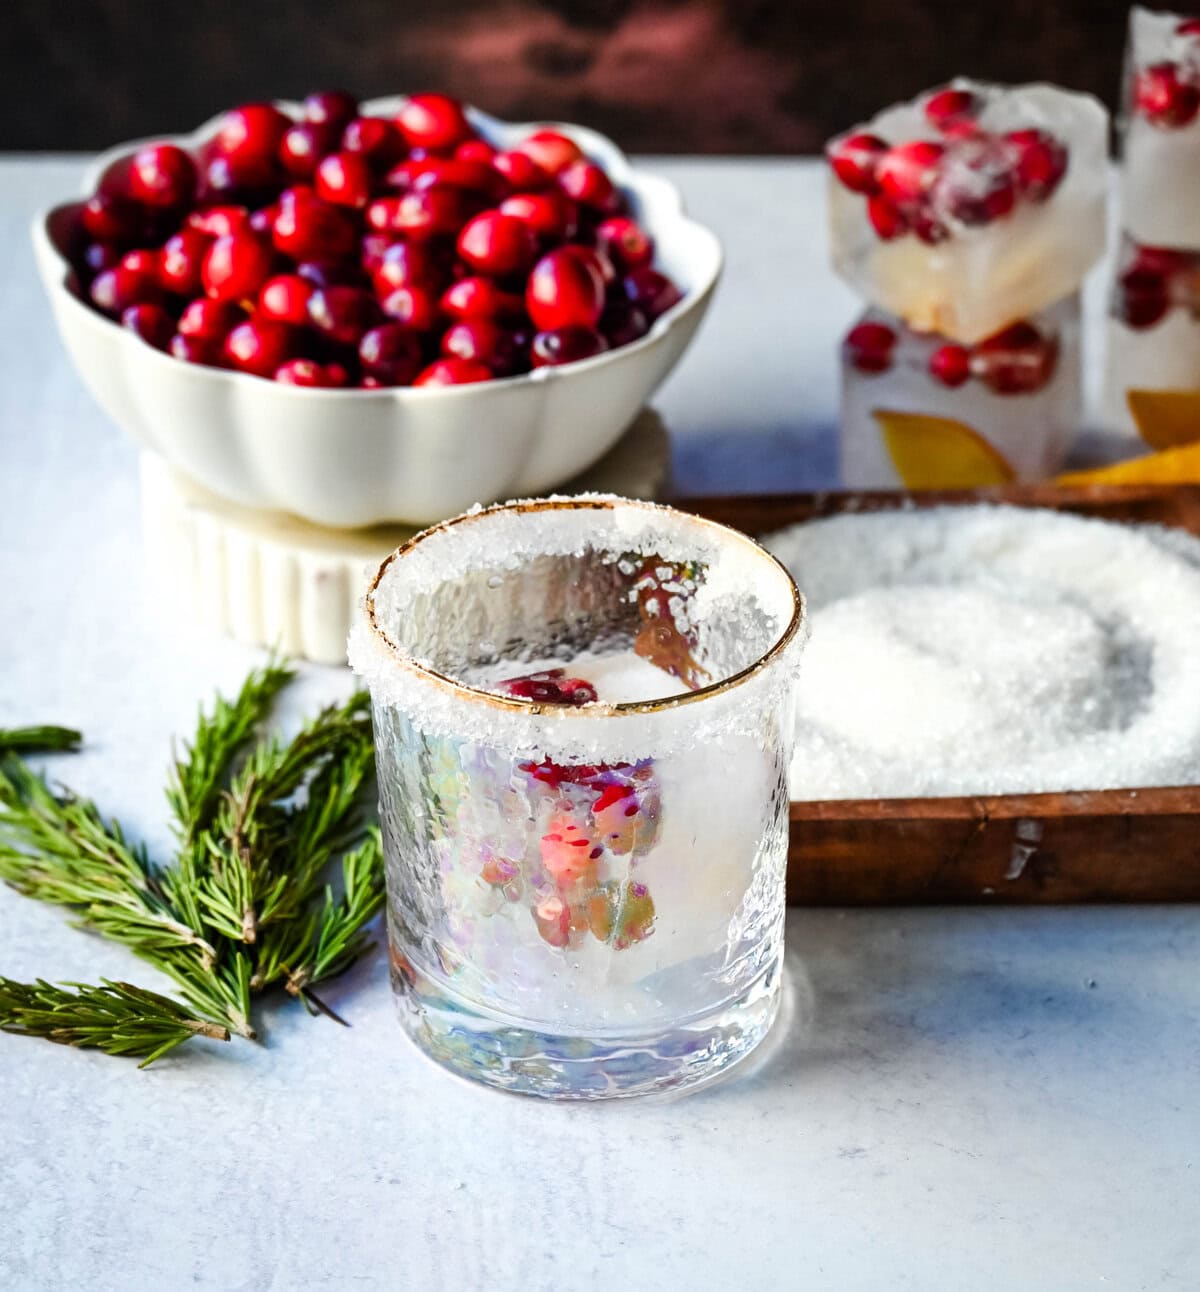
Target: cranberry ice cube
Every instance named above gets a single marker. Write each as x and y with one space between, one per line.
987 204
1017 390
1160 175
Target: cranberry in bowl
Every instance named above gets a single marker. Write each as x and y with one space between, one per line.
380 315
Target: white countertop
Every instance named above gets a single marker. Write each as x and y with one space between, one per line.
965 1099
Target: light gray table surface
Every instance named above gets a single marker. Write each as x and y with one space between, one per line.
962 1099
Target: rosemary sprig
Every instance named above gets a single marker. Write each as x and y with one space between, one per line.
115 1017
243 906
199 774
35 740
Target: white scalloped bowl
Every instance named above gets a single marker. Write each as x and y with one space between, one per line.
349 458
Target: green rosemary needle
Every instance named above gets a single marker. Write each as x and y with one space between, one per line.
115 1017
36 740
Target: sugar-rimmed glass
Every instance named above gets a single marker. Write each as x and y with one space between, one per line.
585 900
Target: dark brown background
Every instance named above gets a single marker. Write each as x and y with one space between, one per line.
660 75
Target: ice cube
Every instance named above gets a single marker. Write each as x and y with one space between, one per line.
1160 179
1003 409
1153 328
971 206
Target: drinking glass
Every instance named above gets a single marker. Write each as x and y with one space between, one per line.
583 718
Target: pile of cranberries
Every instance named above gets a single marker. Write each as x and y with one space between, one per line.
1152 279
1167 94
967 177
1018 360
350 250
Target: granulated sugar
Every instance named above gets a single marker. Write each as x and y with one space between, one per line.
992 650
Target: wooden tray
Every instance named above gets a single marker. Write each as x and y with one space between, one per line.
1101 846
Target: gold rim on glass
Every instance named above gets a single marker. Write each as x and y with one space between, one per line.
597 709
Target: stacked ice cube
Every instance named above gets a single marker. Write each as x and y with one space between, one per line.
967 220
1154 307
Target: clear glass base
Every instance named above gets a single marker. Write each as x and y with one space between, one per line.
498 1050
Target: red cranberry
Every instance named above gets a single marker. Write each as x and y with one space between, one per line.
391 353
550 687
235 267
415 307
333 273
482 340
249 138
854 159
372 247
523 174
475 150
565 345
379 141
330 108
344 179
597 260
406 264
196 349
310 373
949 106
114 290
262 221
425 214
162 175
552 151
1164 260
98 256
343 314
219 221
180 260
223 182
651 292
564 291
259 346
886 219
1017 360
1163 98
1041 162
308 228
433 121
1188 27
928 229
950 364
471 176
303 146
498 244
475 297
110 218
209 320
905 172
589 185
1142 296
285 298
454 372
980 185
551 215
868 347
622 323
627 244
150 322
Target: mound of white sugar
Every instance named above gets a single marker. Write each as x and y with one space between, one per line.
993 650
